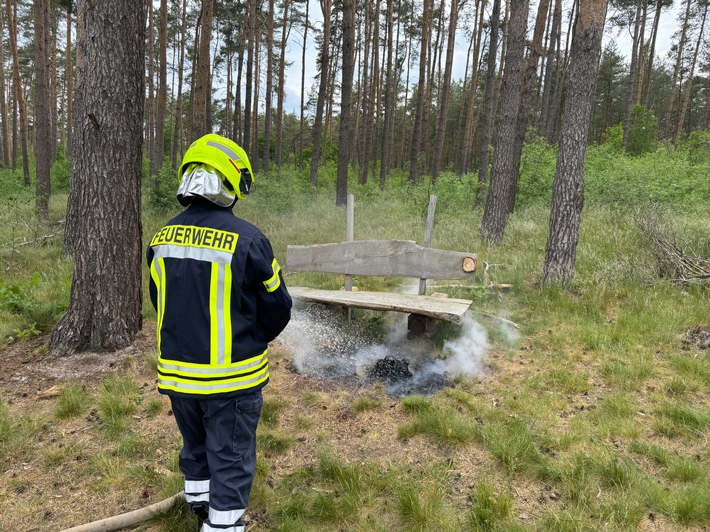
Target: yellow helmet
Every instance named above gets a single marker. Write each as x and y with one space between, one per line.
224 155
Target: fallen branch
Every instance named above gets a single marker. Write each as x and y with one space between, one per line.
675 260
129 519
40 239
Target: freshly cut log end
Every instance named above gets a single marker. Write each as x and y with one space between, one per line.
468 264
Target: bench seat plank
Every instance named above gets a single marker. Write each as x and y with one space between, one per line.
440 308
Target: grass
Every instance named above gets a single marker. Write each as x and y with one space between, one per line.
72 400
592 416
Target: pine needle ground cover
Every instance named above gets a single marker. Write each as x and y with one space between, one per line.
594 416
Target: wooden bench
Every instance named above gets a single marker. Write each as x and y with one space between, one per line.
385 258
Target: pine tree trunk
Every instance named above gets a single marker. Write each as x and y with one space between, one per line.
633 75
402 144
285 30
529 83
372 97
676 72
69 74
689 85
326 6
551 63
568 188
416 139
488 102
17 85
199 125
303 91
388 130
558 97
106 295
269 85
641 68
651 53
53 110
348 29
470 125
501 193
445 89
176 144
150 102
255 99
160 108
238 130
4 137
42 106
365 89
251 34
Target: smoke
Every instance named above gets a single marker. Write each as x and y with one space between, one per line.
326 346
464 355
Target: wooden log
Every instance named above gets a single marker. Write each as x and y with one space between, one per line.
440 308
383 258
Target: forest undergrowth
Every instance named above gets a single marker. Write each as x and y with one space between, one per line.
593 416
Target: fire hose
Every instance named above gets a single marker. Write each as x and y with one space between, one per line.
129 519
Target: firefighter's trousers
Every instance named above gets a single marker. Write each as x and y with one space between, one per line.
218 457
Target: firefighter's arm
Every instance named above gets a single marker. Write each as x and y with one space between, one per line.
273 299
152 289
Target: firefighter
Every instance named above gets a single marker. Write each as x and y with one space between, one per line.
220 299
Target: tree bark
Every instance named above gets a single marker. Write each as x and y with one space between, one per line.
70 81
633 75
469 133
269 85
4 137
551 63
370 112
445 90
529 82
346 85
501 193
285 31
489 103
388 129
689 85
651 53
176 144
17 85
416 139
150 98
568 188
156 158
199 123
303 91
43 158
326 6
53 23
676 71
106 295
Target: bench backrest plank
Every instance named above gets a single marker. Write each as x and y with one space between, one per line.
382 258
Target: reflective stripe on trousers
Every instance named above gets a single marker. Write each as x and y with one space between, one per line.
197 491
221 521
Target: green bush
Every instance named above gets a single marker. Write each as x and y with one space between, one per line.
643 129
61 171
697 148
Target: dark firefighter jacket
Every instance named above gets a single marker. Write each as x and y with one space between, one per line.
220 299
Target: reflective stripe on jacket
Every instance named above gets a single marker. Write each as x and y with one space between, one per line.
220 299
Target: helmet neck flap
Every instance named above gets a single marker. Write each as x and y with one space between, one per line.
200 179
